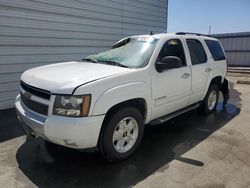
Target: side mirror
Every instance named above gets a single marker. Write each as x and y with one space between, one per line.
168 62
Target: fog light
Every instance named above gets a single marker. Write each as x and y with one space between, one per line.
70 143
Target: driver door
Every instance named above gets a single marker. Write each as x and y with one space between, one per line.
171 87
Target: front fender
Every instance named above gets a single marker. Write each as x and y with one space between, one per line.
123 93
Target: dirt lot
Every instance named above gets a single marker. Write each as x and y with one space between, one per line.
192 150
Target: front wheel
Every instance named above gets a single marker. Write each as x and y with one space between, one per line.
210 101
122 134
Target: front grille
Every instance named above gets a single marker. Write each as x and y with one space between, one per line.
32 104
35 106
36 91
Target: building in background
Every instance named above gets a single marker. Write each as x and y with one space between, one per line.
237 48
35 33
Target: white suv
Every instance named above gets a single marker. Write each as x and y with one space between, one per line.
106 100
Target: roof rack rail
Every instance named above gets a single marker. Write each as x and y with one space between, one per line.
188 33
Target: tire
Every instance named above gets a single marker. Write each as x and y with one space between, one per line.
50 144
122 134
52 148
210 101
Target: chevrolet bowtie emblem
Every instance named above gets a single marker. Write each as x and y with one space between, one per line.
27 95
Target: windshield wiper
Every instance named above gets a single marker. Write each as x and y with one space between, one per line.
90 59
109 62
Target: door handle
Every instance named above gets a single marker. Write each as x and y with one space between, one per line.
208 70
185 75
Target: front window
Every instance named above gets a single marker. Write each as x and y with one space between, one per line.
131 52
172 47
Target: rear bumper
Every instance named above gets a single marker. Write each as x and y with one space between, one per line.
71 132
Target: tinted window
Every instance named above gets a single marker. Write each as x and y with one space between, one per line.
215 49
197 52
172 47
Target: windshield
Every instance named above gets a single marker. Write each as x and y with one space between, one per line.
130 52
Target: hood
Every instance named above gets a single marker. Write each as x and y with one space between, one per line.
65 77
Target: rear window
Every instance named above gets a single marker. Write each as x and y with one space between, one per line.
197 52
215 49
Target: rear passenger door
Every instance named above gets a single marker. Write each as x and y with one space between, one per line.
200 68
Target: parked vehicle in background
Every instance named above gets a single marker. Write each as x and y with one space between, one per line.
106 100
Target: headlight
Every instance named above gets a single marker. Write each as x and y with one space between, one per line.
70 105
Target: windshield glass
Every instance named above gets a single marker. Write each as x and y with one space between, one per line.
130 52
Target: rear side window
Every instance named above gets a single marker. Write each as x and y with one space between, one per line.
197 52
215 49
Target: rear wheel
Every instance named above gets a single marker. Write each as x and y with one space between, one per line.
210 101
122 134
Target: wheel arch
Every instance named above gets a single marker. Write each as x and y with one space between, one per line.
138 103
213 80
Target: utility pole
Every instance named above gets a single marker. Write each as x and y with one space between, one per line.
167 16
209 30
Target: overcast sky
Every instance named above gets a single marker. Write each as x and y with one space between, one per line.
224 16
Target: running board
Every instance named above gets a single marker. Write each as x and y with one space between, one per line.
173 114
